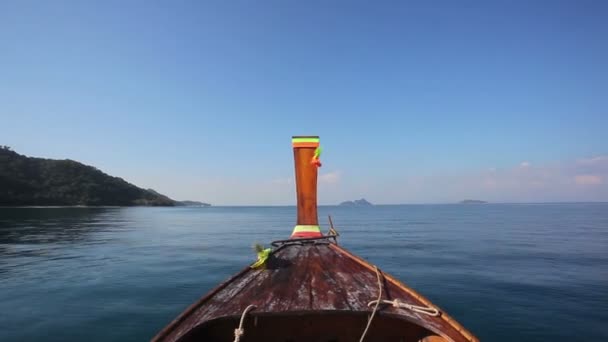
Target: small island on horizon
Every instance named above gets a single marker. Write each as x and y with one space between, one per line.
29 181
356 203
470 201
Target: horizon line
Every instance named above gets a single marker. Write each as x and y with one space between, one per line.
293 205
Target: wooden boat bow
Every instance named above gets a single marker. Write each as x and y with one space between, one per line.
311 289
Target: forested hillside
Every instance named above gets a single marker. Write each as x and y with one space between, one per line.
37 181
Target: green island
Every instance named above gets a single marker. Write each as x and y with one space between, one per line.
28 181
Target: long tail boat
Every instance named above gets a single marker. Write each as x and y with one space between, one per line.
308 288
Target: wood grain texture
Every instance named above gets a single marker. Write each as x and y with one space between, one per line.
312 279
306 185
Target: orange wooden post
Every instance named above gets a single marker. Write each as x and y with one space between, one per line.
306 165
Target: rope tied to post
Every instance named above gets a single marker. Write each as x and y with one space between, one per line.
239 332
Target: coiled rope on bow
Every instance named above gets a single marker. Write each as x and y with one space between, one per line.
239 332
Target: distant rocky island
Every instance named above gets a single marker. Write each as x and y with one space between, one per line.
470 201
49 182
356 203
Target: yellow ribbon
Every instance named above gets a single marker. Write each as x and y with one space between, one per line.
262 257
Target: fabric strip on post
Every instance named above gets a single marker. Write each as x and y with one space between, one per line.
305 142
306 231
305 139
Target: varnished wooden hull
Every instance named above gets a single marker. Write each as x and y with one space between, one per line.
311 292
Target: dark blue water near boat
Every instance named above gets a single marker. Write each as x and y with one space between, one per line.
536 272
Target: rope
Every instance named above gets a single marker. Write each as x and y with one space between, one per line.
239 332
301 241
427 310
332 231
369 321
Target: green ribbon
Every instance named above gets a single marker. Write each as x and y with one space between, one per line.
305 140
318 151
263 255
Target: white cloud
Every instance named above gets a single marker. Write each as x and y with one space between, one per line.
574 180
330 177
594 160
581 179
588 179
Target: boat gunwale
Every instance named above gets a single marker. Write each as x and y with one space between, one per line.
299 313
193 307
443 314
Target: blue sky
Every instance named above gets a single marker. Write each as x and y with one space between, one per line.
415 102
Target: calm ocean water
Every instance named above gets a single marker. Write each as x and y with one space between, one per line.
530 272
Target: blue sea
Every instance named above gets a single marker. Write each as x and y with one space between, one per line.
507 272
